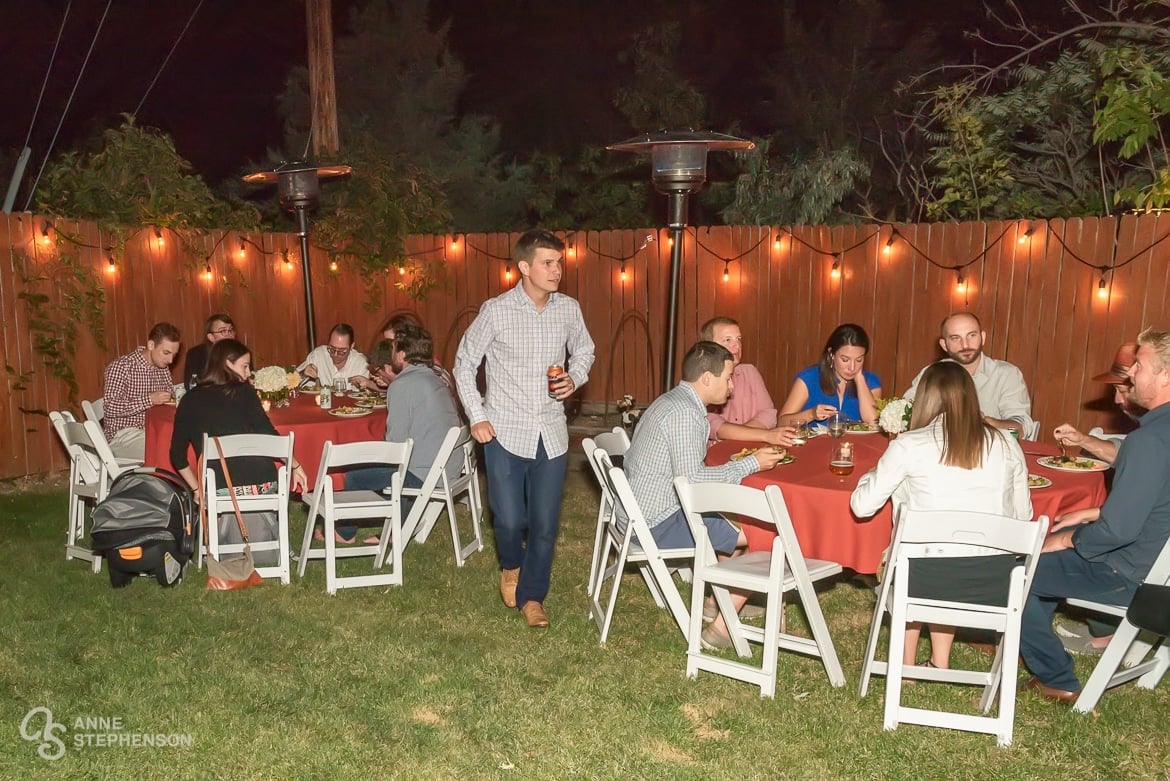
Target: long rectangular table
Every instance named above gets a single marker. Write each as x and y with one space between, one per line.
818 500
310 424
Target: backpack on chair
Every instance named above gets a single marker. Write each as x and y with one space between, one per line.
146 525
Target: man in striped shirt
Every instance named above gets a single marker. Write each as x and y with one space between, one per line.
521 422
134 383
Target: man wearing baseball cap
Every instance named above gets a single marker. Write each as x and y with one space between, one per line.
1096 442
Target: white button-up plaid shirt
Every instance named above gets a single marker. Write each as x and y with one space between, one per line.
520 343
671 441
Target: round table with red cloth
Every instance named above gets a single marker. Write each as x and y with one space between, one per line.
818 500
310 424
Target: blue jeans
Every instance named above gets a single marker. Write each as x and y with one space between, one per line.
525 498
375 478
1059 575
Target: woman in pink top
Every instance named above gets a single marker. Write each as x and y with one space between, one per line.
749 414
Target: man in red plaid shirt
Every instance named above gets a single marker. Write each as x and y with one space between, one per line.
134 383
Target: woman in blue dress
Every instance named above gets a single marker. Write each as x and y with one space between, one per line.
836 384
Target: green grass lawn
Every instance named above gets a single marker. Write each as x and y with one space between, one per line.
436 679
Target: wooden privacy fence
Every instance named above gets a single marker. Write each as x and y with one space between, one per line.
1036 286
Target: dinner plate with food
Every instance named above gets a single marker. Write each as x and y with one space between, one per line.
748 451
1070 464
1038 481
369 402
862 428
349 412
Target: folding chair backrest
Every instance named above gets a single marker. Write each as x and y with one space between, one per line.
706 498
278 448
94 410
83 451
619 486
615 442
454 436
102 448
372 453
919 527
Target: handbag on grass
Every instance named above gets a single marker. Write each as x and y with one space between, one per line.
1150 609
229 573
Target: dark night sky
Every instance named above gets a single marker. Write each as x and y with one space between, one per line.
543 67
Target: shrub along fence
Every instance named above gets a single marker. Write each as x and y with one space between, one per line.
1056 298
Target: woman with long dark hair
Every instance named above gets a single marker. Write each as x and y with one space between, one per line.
835 384
224 402
950 459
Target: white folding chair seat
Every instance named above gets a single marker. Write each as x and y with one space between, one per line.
89 482
1132 653
633 544
963 534
438 493
219 508
771 574
94 412
331 506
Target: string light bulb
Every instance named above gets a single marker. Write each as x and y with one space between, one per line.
571 251
158 237
402 271
333 265
111 264
960 282
889 245
726 270
623 271
454 242
776 241
1102 288
287 259
508 271
835 272
207 271
1026 235
243 249
45 240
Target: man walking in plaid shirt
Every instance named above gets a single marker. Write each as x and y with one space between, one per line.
134 383
521 423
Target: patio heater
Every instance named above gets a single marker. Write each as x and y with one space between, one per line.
299 187
678 160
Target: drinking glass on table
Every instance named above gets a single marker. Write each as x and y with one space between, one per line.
841 461
339 385
837 426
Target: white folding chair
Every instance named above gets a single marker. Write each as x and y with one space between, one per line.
331 506
1129 647
219 508
438 492
615 443
89 481
94 412
770 573
920 534
634 544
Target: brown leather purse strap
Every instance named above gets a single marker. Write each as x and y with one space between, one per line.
227 476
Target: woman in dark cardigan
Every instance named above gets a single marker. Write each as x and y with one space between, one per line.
224 402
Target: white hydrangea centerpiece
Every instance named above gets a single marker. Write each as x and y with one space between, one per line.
271 383
894 417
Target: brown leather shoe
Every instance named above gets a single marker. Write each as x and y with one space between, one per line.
1049 693
534 614
508 580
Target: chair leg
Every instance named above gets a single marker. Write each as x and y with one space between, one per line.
306 546
894 666
1106 666
595 562
875 628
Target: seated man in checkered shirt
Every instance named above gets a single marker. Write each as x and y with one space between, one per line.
671 441
134 383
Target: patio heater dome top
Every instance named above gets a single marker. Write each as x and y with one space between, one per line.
679 157
299 181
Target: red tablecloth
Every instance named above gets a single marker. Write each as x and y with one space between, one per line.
818 500
311 425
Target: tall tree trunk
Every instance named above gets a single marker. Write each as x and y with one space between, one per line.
322 89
